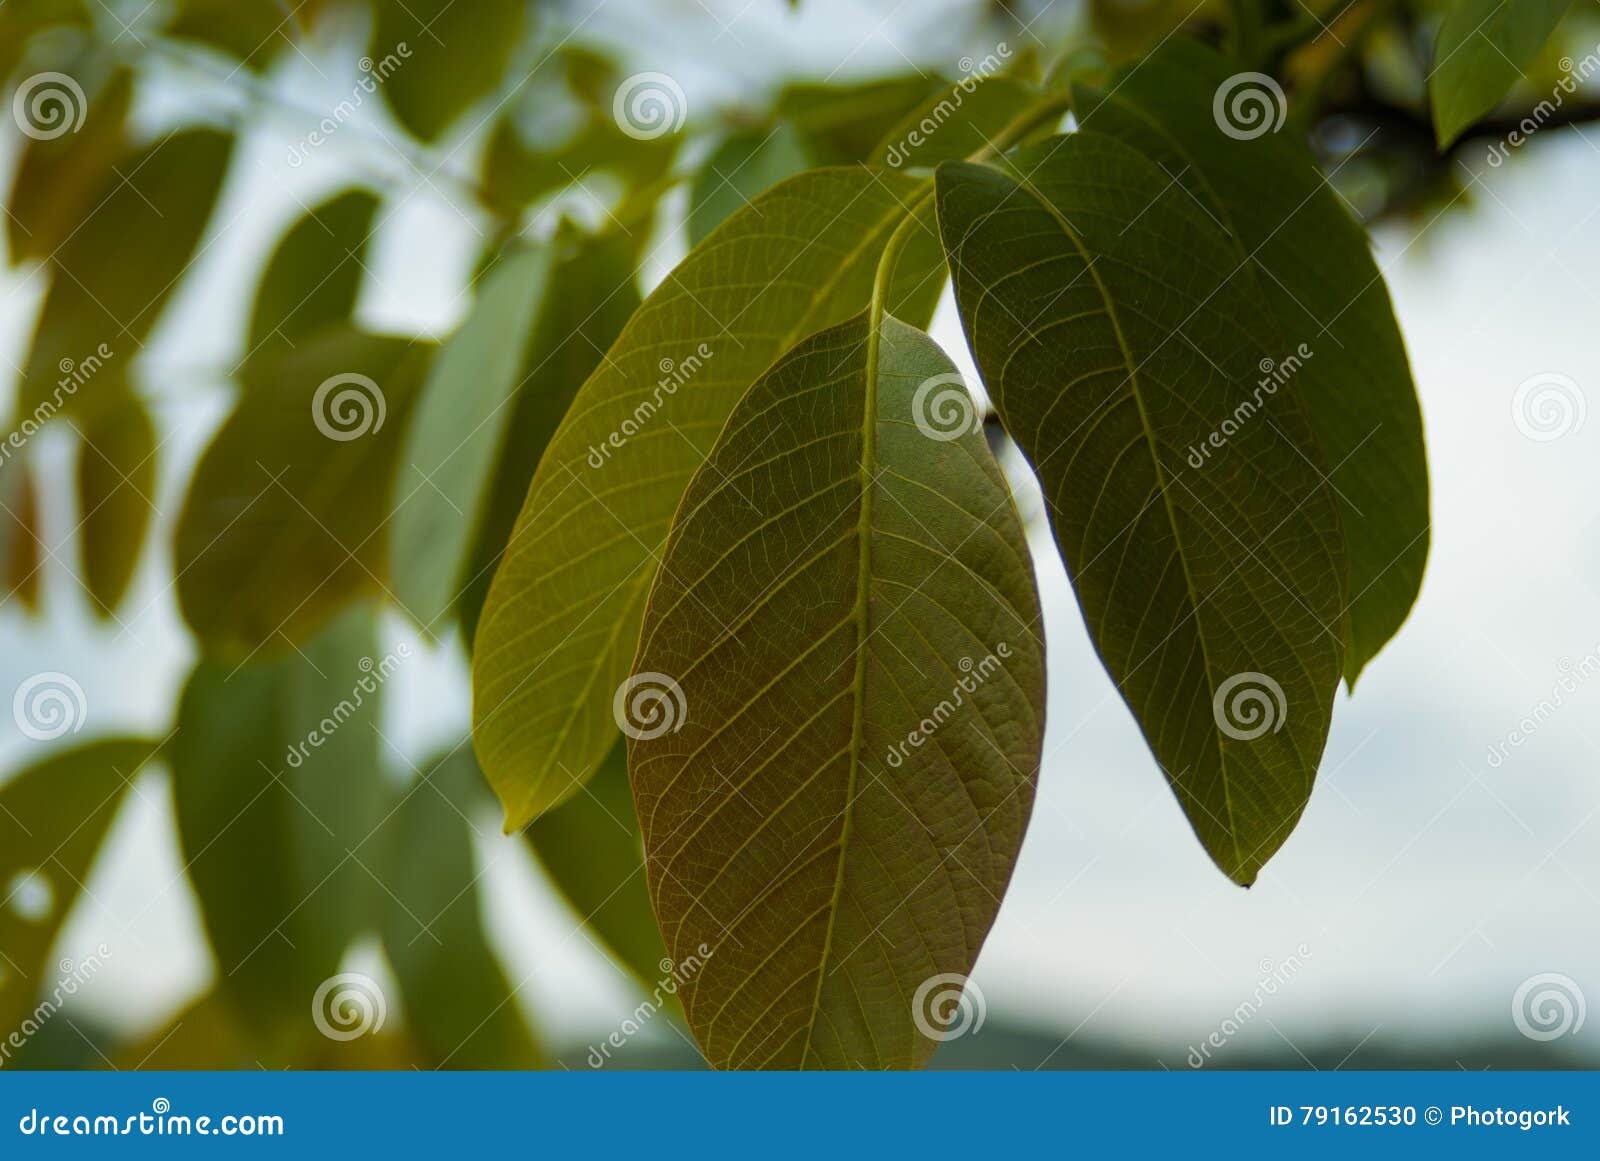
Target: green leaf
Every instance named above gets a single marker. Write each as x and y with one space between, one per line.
1116 328
116 497
835 780
591 848
592 294
53 818
24 556
251 30
841 124
61 178
438 58
119 267
954 123
563 613
460 1008
457 436
1484 47
20 20
277 789
315 274
286 517
740 168
1339 338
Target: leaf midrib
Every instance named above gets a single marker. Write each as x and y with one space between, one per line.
1146 427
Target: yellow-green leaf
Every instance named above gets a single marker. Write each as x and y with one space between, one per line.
315 274
1484 46
437 58
116 497
837 709
563 613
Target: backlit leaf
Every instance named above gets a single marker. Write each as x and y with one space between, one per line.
123 261
563 613
286 517
277 789
459 1005
1340 343
116 497
59 180
53 818
456 436
1116 328
1484 47
741 167
591 848
447 56
315 274
834 788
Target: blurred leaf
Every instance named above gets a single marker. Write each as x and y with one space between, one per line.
53 817
277 788
251 30
123 261
815 611
315 274
449 55
591 849
516 174
953 123
24 542
457 436
841 124
59 180
460 1008
286 518
562 617
1484 47
21 19
1116 330
741 168
593 293
116 497
1317 274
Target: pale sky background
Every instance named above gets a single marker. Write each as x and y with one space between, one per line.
1424 884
